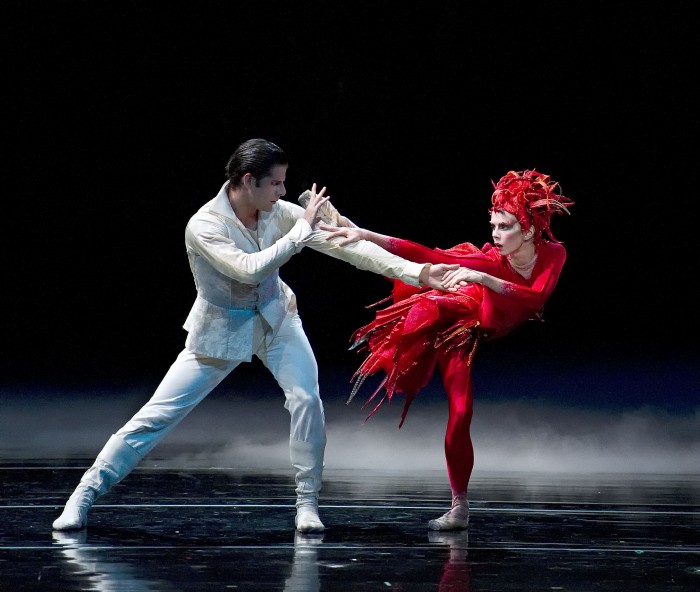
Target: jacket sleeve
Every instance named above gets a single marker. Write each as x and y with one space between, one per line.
207 236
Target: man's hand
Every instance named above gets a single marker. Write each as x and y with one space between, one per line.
433 275
316 201
347 235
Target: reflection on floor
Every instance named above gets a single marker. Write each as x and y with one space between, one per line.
166 529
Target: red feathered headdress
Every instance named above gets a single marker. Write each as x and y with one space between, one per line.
532 198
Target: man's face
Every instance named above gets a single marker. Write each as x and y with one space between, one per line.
270 190
506 231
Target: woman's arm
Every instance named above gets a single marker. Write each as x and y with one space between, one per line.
461 277
349 235
471 257
552 260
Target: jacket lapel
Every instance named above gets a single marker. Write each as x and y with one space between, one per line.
221 207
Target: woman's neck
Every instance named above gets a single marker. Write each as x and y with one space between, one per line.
523 260
523 255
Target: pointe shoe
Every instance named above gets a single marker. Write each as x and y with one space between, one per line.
307 519
75 513
456 519
327 212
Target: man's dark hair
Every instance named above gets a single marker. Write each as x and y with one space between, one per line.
257 157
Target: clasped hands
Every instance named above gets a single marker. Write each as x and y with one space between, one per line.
439 276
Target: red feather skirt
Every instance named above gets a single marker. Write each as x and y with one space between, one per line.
405 339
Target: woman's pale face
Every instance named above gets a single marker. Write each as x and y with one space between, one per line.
508 236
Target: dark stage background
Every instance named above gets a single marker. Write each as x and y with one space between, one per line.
120 117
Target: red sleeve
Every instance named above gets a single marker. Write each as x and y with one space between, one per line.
466 255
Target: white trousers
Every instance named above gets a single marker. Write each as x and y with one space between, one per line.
288 356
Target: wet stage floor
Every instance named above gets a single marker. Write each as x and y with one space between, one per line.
198 528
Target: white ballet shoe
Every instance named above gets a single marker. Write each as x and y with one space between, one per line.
75 513
307 519
456 519
449 521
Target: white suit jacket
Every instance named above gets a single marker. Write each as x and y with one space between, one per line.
237 277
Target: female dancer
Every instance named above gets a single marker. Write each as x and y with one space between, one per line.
496 288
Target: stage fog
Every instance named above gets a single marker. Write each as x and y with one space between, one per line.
243 424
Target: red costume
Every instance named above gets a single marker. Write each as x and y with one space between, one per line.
425 328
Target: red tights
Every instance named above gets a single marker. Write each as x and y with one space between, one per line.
459 452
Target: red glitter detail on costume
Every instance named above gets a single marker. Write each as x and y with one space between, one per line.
509 289
532 198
